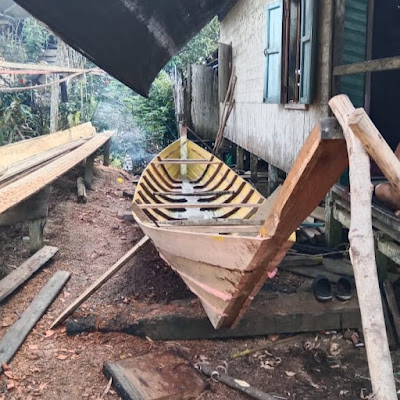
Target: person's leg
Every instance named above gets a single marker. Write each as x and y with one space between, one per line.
385 193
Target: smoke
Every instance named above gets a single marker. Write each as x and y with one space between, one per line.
130 142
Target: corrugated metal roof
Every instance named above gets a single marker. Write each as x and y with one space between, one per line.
130 39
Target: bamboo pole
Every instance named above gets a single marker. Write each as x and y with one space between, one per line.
362 256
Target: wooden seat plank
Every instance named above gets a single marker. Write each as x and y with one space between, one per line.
198 205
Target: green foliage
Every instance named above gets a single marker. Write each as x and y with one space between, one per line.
198 49
34 37
156 115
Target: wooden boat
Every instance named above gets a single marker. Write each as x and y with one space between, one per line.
217 231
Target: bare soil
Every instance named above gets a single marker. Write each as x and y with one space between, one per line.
50 365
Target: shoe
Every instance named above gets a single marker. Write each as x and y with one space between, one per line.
344 288
322 288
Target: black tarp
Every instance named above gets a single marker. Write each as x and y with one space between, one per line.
130 39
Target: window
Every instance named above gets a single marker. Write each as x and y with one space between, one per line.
290 51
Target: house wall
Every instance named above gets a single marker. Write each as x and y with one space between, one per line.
270 131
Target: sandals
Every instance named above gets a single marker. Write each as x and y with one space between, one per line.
322 288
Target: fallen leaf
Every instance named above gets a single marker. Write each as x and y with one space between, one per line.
5 366
10 375
33 347
7 321
63 357
10 385
290 373
49 333
42 386
243 384
335 350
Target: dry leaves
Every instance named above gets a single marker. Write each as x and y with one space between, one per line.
10 375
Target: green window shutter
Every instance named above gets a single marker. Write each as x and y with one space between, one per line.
308 42
273 53
355 48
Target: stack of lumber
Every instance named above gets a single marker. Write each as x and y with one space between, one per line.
28 166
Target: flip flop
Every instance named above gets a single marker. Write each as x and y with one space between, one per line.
344 288
322 288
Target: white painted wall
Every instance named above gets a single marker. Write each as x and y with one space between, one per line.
271 132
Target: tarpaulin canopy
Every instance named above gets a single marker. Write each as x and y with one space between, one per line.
130 39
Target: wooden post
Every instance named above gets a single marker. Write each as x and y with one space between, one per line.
184 150
239 158
54 103
106 150
36 228
224 69
253 167
363 258
89 171
273 179
333 228
81 190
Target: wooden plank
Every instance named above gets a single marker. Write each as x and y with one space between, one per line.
41 67
270 314
215 229
16 152
20 275
155 376
213 222
28 165
224 69
169 206
100 281
196 193
31 184
392 304
16 334
383 64
190 161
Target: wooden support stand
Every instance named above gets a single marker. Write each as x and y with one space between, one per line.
89 171
333 228
36 228
363 257
253 167
273 179
81 190
239 158
106 153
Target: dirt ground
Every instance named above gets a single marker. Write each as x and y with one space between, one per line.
50 365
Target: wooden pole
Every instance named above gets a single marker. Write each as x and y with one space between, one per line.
89 171
36 229
362 256
99 282
106 154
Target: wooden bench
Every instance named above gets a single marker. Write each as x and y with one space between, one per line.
28 168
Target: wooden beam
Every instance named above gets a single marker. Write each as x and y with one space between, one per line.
253 168
81 190
89 171
16 334
392 304
20 275
169 206
106 153
196 193
224 69
41 67
239 158
189 162
383 64
100 282
214 222
36 229
31 184
216 229
273 179
362 255
281 313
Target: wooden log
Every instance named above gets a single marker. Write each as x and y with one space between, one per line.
20 275
100 282
81 190
333 228
363 258
361 125
89 171
16 334
382 64
106 153
236 384
29 185
36 229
